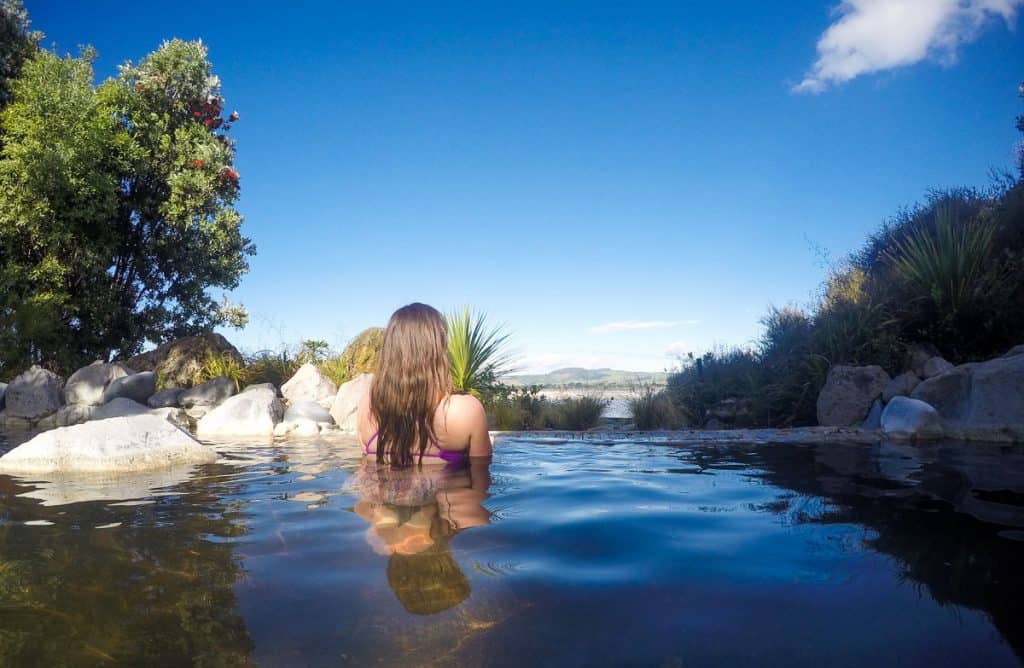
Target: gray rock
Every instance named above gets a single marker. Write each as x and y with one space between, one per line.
997 394
917 355
848 394
343 410
906 418
874 418
949 393
86 385
1016 350
307 410
900 386
210 393
251 414
134 443
935 366
308 384
120 407
3 390
33 394
137 387
166 398
179 361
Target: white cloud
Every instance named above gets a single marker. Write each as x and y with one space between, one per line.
626 325
677 349
875 35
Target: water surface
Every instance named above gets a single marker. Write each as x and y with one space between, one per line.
561 552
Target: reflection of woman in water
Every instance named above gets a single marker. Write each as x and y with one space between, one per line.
413 513
425 470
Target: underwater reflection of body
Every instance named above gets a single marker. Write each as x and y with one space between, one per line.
413 513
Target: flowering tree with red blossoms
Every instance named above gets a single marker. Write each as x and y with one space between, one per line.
124 246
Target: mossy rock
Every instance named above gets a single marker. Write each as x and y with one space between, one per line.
362 355
177 363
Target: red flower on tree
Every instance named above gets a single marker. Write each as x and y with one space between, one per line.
229 174
198 163
233 117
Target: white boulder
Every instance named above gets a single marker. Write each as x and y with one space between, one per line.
86 385
135 443
308 384
343 410
33 394
251 414
906 418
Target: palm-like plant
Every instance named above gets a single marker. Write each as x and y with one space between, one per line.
477 352
946 264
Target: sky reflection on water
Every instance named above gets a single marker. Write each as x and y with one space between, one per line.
559 552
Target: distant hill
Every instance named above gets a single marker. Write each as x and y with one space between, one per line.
577 377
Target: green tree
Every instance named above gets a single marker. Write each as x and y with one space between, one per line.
17 44
116 207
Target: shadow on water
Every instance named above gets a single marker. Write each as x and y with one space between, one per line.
950 515
147 584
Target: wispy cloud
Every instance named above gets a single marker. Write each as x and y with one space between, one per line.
875 35
626 325
677 349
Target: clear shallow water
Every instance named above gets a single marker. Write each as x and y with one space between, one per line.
594 552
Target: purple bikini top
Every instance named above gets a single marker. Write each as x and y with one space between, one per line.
442 454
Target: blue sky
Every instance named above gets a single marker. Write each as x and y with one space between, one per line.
618 182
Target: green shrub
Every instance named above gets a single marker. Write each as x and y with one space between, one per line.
578 413
215 365
477 352
516 408
267 366
653 409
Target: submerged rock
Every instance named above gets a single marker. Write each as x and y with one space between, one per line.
33 394
86 386
848 394
904 417
308 384
246 415
210 393
343 410
137 387
135 443
179 361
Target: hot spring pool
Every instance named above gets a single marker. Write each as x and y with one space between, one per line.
559 553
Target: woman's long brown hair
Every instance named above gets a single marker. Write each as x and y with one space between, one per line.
412 378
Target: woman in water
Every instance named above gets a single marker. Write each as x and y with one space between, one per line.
411 415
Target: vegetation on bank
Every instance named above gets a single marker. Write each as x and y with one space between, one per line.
947 273
116 202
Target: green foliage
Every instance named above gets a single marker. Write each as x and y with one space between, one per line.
116 207
224 364
477 352
517 408
652 408
18 43
361 355
312 351
704 382
947 263
579 413
267 366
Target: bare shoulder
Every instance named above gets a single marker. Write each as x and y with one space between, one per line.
464 407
